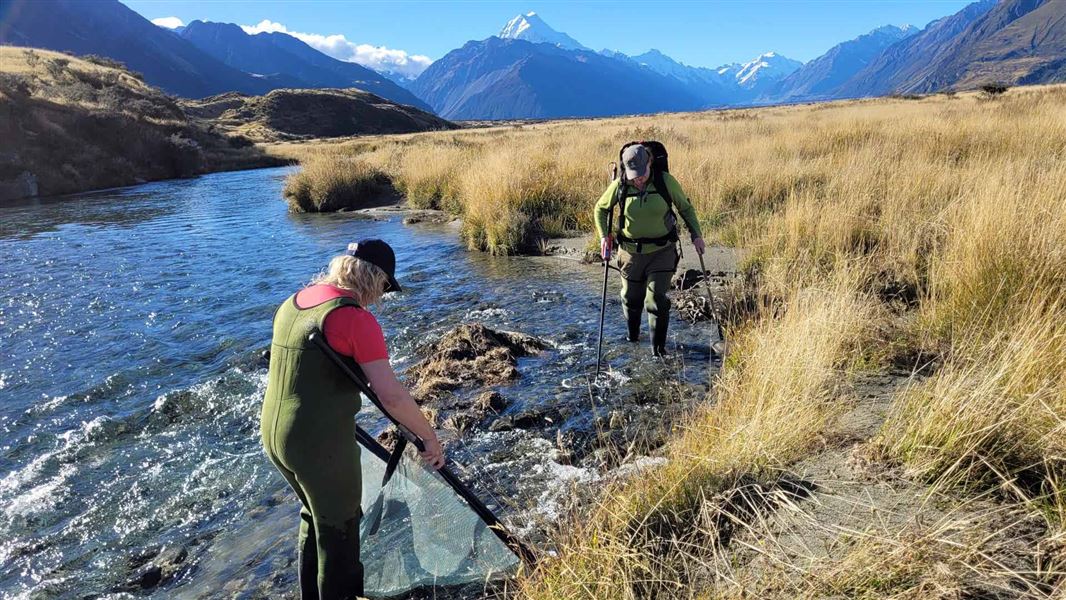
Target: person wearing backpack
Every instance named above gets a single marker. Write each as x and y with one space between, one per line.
646 235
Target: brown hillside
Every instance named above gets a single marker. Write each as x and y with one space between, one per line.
290 114
71 124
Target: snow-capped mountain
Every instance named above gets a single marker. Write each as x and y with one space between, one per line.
706 83
532 28
661 63
822 77
763 70
509 79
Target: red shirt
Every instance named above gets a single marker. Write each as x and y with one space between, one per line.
349 330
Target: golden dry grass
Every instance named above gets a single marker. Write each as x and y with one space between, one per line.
326 185
19 60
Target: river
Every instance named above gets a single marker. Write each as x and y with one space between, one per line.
131 327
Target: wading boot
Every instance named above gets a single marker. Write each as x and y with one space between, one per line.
633 324
658 336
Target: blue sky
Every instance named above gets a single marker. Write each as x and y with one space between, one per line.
697 33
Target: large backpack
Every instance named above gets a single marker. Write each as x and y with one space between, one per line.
660 164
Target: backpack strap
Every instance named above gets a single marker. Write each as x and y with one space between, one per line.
660 186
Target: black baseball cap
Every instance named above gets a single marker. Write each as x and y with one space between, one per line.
379 254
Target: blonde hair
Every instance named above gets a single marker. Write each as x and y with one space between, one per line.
364 280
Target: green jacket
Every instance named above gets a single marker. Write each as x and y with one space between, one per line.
645 217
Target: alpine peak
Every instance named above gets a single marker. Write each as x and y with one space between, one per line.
531 28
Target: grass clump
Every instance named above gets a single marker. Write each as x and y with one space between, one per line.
993 415
324 185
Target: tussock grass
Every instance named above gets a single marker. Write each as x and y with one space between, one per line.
646 537
995 414
970 549
325 185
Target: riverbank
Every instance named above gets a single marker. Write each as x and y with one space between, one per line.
897 325
887 423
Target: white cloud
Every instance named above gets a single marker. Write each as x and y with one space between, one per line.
378 58
169 22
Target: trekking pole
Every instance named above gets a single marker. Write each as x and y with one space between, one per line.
606 272
603 311
521 550
718 347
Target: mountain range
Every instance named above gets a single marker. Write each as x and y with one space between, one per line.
529 70
201 59
822 77
1011 41
511 78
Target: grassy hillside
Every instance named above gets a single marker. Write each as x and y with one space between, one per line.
891 421
286 114
73 124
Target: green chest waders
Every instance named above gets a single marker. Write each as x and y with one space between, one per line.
308 431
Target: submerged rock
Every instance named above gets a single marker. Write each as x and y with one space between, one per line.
521 420
470 354
687 279
490 401
466 413
693 305
156 567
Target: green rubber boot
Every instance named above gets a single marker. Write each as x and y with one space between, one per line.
658 307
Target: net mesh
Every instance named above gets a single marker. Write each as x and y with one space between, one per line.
417 532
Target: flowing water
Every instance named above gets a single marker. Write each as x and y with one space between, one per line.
131 327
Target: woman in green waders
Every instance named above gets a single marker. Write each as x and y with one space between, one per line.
308 418
647 239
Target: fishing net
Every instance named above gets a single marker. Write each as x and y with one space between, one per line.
417 532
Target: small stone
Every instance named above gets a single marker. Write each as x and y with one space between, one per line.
461 421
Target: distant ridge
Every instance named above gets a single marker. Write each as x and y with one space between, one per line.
822 77
282 55
289 114
108 28
507 78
